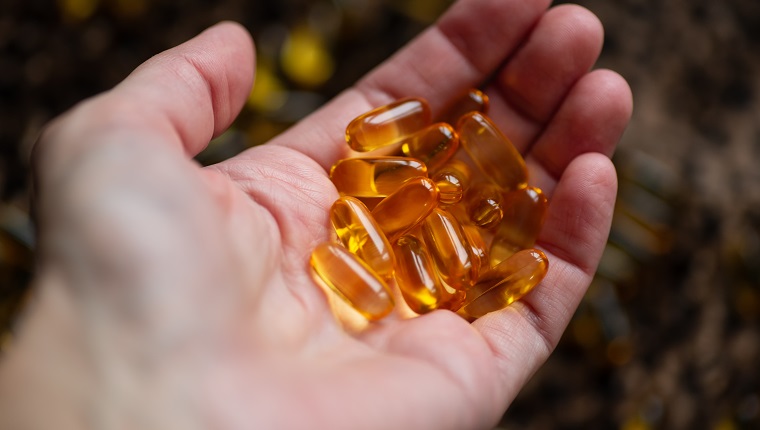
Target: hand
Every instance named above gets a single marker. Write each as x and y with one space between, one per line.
174 296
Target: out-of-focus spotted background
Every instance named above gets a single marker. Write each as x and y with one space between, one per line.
668 336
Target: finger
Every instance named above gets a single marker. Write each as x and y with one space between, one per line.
574 235
591 119
461 50
197 88
563 47
183 97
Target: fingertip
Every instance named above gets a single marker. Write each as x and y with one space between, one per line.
618 91
580 211
234 45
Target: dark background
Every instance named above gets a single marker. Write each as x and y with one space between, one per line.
668 336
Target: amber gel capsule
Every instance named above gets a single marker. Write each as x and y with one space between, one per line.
415 275
406 208
388 124
483 205
448 246
434 145
352 280
452 299
360 234
524 214
374 176
491 151
452 179
478 247
505 283
473 100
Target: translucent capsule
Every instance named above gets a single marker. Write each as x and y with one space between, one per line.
524 214
434 145
473 100
374 176
451 299
416 276
406 208
387 125
478 247
505 283
452 179
483 205
352 280
360 234
491 151
448 246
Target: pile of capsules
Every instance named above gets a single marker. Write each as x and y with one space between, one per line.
452 229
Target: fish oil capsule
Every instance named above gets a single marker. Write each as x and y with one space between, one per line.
473 100
388 124
478 248
352 280
448 246
416 276
434 145
374 176
452 179
524 214
505 283
451 299
483 205
360 235
491 151
406 208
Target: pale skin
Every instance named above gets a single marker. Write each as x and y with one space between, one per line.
173 296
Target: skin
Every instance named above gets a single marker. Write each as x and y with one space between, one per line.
173 296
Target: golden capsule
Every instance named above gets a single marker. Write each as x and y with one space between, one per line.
374 176
360 235
406 208
452 179
524 214
491 151
473 100
478 247
434 145
352 280
505 283
416 276
483 205
451 299
446 242
387 125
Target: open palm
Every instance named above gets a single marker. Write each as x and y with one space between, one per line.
172 294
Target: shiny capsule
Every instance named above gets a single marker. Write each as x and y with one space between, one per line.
416 276
524 215
447 244
360 235
387 125
452 179
505 283
473 100
374 176
352 280
434 145
491 151
483 205
406 208
478 248
451 299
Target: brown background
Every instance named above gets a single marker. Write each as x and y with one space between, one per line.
668 336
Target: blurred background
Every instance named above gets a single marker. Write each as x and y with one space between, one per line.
668 336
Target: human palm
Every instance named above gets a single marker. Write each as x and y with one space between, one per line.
174 295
